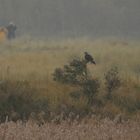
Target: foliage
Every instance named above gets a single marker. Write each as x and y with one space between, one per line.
75 95
74 73
112 80
90 89
77 73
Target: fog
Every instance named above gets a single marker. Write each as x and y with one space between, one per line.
73 18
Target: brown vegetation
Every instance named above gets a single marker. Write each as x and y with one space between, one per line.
31 65
89 130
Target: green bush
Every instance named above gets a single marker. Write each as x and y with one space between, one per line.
90 89
76 95
112 81
74 73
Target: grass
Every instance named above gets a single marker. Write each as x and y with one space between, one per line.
92 129
30 63
32 57
35 61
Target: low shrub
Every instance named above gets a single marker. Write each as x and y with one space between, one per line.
76 72
90 89
112 81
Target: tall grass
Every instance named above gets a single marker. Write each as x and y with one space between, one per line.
92 129
26 58
35 61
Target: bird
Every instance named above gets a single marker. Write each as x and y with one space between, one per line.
89 58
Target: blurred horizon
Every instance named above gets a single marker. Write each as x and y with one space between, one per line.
73 18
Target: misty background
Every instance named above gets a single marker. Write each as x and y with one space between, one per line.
73 18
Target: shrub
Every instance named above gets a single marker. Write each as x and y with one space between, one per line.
112 81
58 75
74 73
75 95
90 89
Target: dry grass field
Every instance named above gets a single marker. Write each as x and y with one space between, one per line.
35 61
26 58
92 130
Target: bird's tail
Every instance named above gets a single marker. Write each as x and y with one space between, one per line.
93 62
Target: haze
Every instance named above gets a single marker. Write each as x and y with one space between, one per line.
73 18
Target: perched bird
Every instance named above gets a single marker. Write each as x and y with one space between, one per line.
89 58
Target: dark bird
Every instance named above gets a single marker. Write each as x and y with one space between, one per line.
89 58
